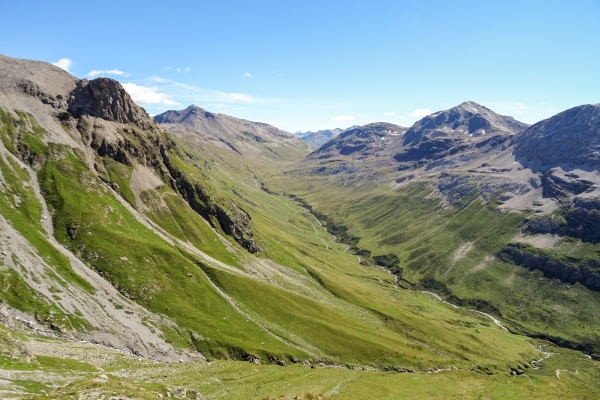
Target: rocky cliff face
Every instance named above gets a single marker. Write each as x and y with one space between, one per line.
234 221
567 269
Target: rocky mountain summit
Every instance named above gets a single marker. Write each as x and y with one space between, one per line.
462 132
467 120
105 98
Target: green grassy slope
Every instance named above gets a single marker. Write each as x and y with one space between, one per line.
453 250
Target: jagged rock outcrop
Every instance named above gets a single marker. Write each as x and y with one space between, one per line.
233 220
567 269
107 99
571 137
577 222
559 184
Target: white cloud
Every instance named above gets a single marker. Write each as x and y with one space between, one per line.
148 95
188 69
247 75
420 112
64 63
239 97
343 118
390 113
178 70
97 72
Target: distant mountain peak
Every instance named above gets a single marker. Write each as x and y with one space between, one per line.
187 116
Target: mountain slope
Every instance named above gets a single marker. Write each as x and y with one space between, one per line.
472 217
570 137
135 204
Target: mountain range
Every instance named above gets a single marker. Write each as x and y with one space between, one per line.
198 255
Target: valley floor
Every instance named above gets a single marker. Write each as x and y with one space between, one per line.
42 367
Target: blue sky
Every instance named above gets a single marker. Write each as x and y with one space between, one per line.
308 65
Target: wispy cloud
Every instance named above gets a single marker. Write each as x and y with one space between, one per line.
149 95
187 69
420 112
390 113
167 82
247 75
157 86
101 72
239 97
186 86
343 118
64 63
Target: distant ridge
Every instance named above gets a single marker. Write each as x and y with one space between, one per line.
255 140
319 138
